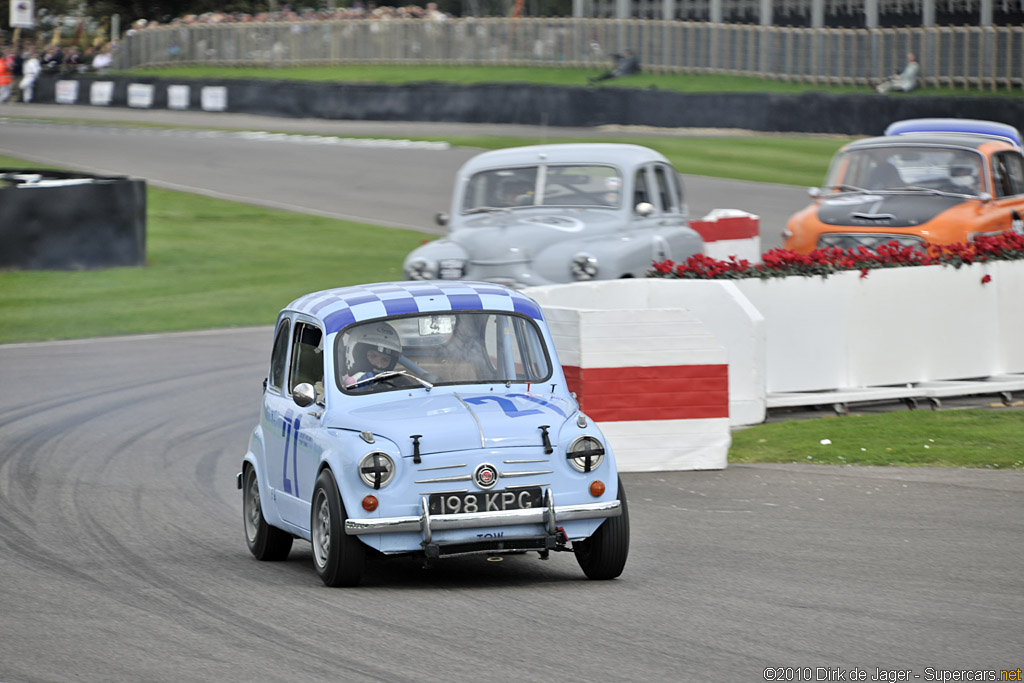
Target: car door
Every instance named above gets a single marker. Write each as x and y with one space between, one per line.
290 431
278 410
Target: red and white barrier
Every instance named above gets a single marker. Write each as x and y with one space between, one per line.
730 232
656 380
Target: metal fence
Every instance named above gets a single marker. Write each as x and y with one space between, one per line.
989 58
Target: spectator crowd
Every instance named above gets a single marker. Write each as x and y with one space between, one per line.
21 66
358 10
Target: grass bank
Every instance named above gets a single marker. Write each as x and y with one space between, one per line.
210 263
954 438
398 74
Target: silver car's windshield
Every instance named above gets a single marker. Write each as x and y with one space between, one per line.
550 185
426 350
907 168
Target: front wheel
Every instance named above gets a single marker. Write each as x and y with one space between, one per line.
603 555
338 557
265 542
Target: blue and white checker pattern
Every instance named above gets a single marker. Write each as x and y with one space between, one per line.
341 307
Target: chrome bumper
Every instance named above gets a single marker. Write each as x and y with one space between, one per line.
550 516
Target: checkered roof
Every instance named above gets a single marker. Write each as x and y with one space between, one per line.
341 307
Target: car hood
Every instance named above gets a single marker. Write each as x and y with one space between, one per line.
519 234
884 210
463 420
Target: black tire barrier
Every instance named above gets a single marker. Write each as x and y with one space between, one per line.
58 220
569 106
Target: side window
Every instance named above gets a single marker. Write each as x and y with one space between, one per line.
640 192
307 358
279 356
1015 171
666 190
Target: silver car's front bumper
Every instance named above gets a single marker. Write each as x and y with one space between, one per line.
550 516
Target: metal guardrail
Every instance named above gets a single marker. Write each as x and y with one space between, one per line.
988 58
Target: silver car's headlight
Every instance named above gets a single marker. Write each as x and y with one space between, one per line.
421 269
586 453
451 268
376 469
584 266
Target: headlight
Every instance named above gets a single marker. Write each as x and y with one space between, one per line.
451 269
421 269
376 469
584 267
585 454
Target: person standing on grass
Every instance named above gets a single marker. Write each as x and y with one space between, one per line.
5 77
30 72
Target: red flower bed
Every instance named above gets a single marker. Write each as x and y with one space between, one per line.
1005 246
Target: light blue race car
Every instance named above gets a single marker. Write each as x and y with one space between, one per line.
429 418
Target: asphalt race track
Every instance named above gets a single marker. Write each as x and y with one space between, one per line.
383 184
122 556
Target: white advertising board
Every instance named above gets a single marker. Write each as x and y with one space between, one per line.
178 96
140 95
214 98
66 92
23 14
101 93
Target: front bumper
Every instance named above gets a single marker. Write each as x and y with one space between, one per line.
551 516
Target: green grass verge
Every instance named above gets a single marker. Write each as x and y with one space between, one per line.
953 438
789 160
399 74
210 263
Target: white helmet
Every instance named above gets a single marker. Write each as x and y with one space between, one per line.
964 175
379 336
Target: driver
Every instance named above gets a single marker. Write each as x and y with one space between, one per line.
516 192
371 349
964 177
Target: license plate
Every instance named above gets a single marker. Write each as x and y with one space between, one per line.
484 501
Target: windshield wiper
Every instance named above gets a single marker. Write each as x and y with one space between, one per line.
944 193
487 209
387 374
848 188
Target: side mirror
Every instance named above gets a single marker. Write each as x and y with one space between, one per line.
814 192
644 209
441 218
985 197
304 394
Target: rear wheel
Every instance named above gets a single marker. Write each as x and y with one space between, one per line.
603 555
265 542
338 557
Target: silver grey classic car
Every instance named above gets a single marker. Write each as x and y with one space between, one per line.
545 214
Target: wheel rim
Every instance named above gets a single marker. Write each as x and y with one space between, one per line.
251 502
321 531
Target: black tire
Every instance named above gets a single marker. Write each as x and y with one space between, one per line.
337 557
603 555
265 542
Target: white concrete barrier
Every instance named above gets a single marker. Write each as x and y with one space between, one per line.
914 332
730 232
655 378
893 327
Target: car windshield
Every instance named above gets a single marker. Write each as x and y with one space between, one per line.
550 185
903 167
426 350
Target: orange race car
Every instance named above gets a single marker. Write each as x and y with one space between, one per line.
925 182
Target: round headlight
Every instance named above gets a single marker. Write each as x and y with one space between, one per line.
585 454
584 267
421 269
376 469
